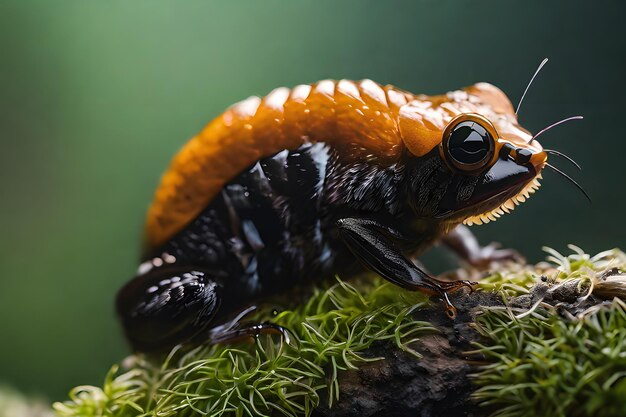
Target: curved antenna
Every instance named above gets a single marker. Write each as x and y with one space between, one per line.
563 174
545 60
545 129
562 155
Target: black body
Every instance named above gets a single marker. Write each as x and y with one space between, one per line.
289 219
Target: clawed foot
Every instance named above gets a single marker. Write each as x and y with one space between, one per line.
446 287
451 286
236 330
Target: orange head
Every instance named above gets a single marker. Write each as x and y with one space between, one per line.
488 163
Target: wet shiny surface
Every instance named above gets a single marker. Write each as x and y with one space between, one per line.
362 119
90 121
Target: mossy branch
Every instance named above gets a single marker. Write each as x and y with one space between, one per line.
536 340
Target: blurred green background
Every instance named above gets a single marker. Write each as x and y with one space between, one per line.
96 96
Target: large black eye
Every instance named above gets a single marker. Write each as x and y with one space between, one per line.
468 145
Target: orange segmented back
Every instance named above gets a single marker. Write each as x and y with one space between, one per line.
362 120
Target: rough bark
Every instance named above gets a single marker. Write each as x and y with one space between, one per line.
439 383
399 385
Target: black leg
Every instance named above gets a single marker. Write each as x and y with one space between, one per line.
463 243
237 330
374 244
167 306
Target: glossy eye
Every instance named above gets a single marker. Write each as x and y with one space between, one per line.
468 145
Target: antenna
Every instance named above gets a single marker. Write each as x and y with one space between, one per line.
545 129
545 60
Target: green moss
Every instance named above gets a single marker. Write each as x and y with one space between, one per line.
330 332
538 362
545 362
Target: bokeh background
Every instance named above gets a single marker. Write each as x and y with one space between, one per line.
96 96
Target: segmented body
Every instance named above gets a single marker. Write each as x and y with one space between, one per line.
273 226
254 198
315 181
358 119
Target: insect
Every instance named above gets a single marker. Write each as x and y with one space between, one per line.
335 177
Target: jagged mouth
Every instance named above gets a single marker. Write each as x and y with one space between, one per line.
507 205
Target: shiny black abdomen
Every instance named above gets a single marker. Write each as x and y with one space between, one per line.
273 226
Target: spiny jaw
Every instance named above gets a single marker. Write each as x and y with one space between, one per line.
508 205
479 194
